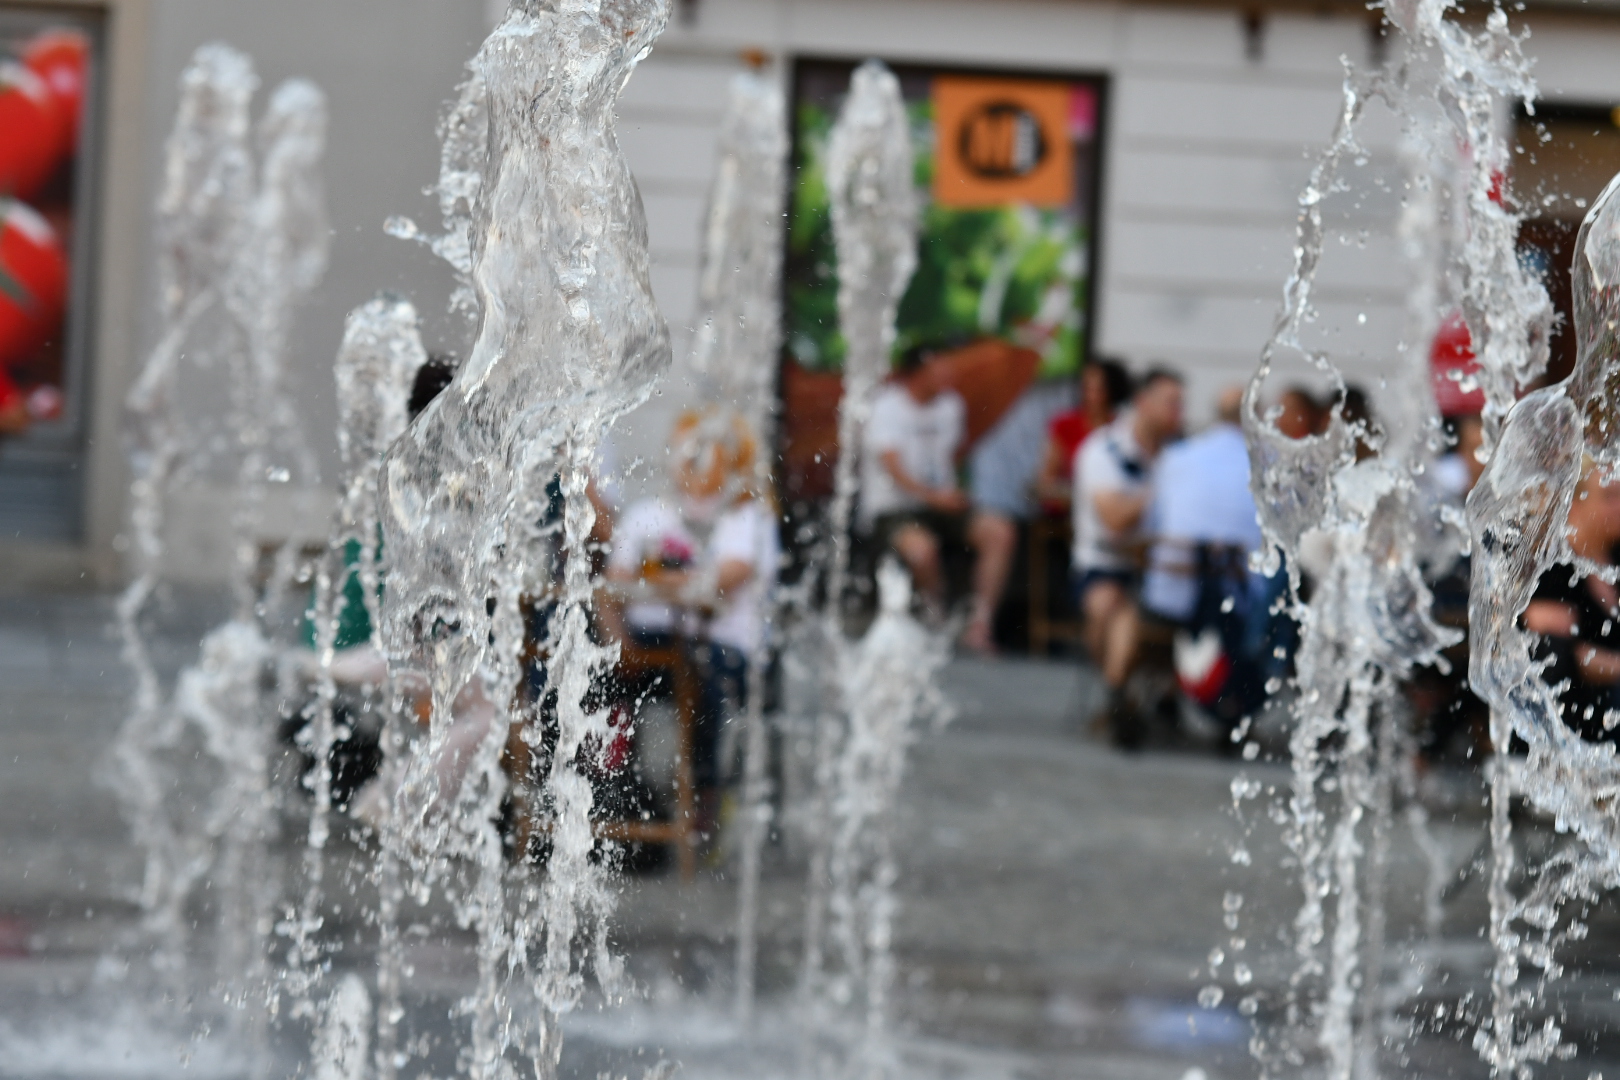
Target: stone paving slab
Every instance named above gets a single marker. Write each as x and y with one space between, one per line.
1059 899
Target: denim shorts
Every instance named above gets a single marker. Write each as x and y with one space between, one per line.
1125 579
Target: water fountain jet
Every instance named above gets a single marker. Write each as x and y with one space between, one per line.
239 253
874 214
569 337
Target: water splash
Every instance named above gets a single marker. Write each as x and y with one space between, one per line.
739 301
889 681
1518 514
874 218
282 259
463 152
569 338
237 256
201 212
343 1042
1364 493
871 190
376 363
734 354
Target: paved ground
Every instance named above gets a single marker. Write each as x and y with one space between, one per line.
1059 904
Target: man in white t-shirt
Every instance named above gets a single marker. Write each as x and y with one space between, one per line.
1201 497
910 500
1113 484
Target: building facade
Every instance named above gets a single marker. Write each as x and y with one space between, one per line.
1211 120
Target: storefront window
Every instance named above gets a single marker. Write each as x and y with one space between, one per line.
48 64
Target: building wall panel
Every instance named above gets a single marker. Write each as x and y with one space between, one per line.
1206 147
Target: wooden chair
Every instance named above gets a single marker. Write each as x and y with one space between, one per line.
681 829
635 662
1043 628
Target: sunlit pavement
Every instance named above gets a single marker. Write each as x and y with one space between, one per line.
1060 902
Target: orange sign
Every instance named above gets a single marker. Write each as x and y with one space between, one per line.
999 141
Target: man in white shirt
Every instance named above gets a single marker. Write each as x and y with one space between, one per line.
1201 496
1113 478
1198 578
910 500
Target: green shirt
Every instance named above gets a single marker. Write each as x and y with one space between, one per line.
353 622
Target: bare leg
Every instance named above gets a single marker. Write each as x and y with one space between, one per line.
470 718
1099 606
1119 648
994 538
359 665
1113 627
919 550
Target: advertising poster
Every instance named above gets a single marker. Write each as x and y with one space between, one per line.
1006 169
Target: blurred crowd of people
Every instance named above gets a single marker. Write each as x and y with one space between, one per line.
1164 529
1161 524
684 577
1171 608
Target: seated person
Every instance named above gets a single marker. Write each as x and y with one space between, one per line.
653 546
1456 473
1113 483
1002 470
910 501
358 663
1201 496
1578 618
1197 575
734 578
1105 388
1442 700
713 466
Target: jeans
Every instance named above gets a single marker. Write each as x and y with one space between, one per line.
723 680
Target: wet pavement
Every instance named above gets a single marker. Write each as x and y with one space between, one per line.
1059 904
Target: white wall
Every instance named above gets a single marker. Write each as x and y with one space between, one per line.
387 67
